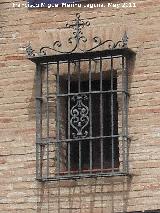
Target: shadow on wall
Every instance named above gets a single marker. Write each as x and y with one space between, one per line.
131 67
31 106
99 195
32 101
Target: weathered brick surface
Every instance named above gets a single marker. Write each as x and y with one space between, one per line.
19 191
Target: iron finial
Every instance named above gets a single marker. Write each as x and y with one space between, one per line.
125 39
77 25
29 50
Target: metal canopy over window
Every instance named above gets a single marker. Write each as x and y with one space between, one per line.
81 107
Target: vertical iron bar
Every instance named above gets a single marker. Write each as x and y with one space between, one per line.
79 90
126 109
112 115
90 118
38 122
127 100
80 160
57 118
47 115
101 115
68 145
123 114
79 77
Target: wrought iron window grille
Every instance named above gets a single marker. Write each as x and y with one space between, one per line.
81 107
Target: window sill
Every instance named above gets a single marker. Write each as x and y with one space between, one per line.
73 175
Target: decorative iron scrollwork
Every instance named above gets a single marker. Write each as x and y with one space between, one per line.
29 50
77 39
79 116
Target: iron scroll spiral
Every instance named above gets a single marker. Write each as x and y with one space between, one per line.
79 117
76 40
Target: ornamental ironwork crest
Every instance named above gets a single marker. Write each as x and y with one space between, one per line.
79 116
75 41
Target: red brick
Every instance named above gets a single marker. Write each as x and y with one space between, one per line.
14 57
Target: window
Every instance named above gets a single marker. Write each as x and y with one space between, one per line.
90 119
81 108
82 103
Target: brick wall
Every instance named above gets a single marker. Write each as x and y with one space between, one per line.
19 191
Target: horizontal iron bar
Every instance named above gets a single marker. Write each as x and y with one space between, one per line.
126 52
84 93
82 139
86 59
89 175
93 92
